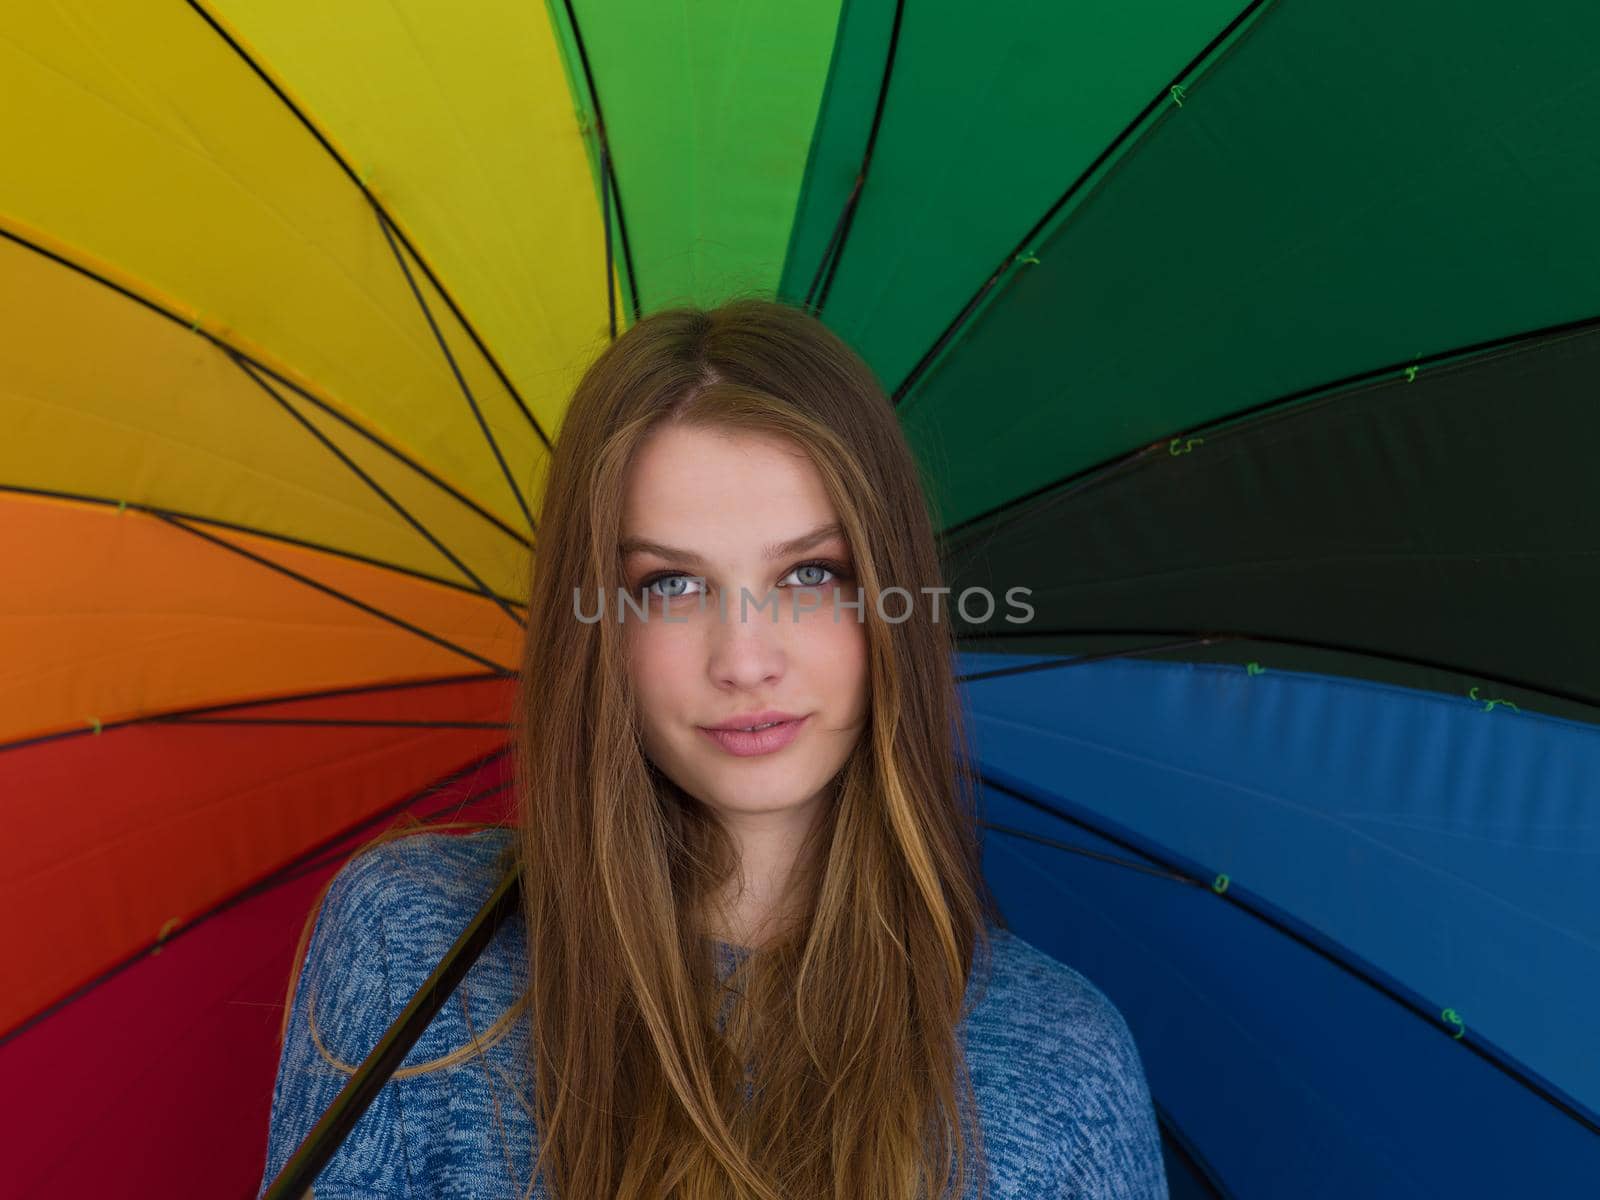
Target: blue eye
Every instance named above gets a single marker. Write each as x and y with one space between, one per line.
820 567
648 587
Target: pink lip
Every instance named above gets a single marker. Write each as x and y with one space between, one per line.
762 741
741 720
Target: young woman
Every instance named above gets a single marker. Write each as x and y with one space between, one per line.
757 955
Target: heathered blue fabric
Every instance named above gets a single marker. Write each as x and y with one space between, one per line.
1061 1091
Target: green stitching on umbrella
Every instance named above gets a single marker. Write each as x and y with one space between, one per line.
1253 668
1178 94
1488 705
161 936
1219 884
1172 446
1451 1017
95 721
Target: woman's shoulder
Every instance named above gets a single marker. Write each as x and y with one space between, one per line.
1043 1028
1049 1045
408 899
432 855
1032 993
390 914
446 875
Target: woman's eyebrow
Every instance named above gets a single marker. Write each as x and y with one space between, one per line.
798 545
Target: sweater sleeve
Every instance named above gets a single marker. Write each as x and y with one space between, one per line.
1112 1148
344 986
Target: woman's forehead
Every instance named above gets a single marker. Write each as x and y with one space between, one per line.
744 487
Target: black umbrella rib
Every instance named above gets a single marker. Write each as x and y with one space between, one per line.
1080 660
334 722
455 369
605 217
608 174
1325 949
337 693
178 716
1077 184
1291 406
327 851
344 597
449 810
1151 866
242 359
1085 852
841 229
240 355
405 514
1185 1149
237 527
1202 637
336 1123
355 178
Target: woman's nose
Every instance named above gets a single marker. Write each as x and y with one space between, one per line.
747 649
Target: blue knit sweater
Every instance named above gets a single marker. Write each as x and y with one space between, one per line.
1060 1088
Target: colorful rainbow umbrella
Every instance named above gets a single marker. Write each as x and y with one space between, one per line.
1258 342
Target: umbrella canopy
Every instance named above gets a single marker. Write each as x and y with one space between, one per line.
1258 341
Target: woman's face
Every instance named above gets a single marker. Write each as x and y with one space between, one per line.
720 506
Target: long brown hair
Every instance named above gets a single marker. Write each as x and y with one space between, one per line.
860 1090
